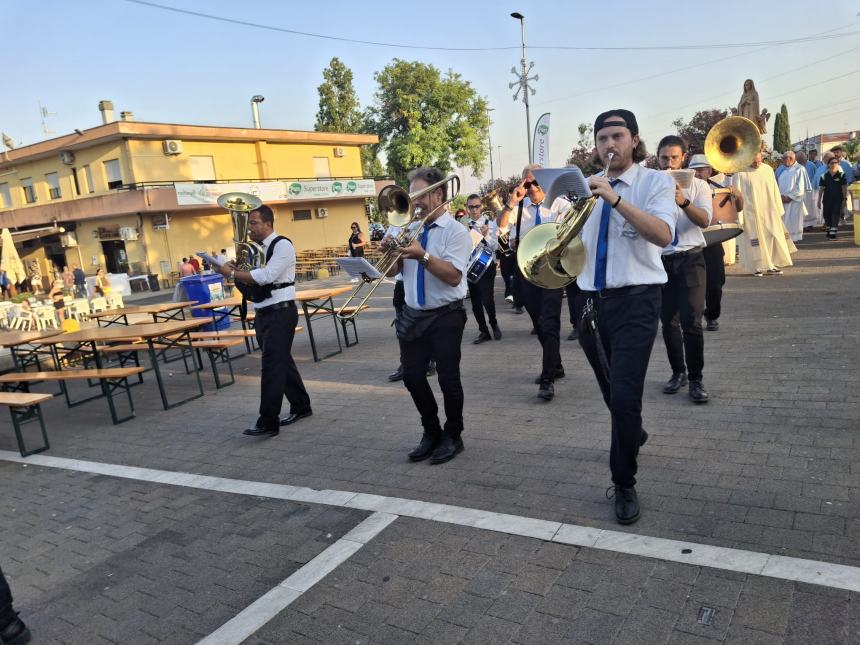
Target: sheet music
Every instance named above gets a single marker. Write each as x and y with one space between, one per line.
358 268
211 261
562 182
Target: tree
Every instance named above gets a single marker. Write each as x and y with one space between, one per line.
696 129
338 109
582 156
781 131
423 118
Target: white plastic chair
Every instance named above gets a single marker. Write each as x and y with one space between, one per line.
23 320
45 316
114 300
78 309
98 304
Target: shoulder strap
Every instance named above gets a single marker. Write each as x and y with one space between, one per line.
270 251
519 220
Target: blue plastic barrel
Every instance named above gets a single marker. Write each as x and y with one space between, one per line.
204 289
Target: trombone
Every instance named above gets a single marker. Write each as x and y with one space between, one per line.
396 206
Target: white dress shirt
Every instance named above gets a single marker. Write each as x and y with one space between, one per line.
448 241
491 239
528 218
689 234
393 231
631 259
281 268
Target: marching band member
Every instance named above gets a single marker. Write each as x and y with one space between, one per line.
684 293
433 318
274 297
481 293
543 305
621 284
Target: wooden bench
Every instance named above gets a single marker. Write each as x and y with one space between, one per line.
217 350
25 408
111 379
127 353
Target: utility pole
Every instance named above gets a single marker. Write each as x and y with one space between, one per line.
490 143
523 78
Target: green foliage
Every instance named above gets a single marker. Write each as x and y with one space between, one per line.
338 106
22 296
851 148
781 133
423 118
696 129
582 155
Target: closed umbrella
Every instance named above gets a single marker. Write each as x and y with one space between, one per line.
10 261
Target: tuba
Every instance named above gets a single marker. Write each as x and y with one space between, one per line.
551 255
732 144
395 205
249 254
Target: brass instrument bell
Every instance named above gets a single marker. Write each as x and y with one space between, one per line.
732 144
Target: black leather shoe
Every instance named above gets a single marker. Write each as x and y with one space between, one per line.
447 450
546 391
698 392
518 310
559 373
713 325
15 633
483 337
626 504
396 375
431 368
573 335
257 431
678 380
643 438
497 333
293 417
429 443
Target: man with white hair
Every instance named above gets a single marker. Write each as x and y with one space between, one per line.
793 186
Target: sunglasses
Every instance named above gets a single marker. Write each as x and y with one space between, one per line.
354 228
473 206
531 183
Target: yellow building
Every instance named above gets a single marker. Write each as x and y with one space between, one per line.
137 197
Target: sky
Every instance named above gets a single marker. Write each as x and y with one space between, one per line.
178 68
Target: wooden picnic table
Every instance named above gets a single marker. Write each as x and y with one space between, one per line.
161 312
25 346
173 334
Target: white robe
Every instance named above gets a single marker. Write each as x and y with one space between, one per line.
765 243
794 184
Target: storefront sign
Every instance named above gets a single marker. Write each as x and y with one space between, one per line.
189 193
109 233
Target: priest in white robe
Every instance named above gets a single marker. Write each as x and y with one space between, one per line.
793 186
765 245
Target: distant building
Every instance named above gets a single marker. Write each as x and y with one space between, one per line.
824 142
136 197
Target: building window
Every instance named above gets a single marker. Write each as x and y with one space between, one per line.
300 215
53 182
202 168
5 196
75 181
29 190
321 168
88 173
113 174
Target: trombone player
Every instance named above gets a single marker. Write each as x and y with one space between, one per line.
431 322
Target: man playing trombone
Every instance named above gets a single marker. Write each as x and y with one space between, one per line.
431 323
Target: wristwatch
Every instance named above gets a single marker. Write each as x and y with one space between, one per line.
423 261
685 204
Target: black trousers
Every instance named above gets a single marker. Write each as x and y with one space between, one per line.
832 211
441 342
628 327
508 267
681 313
280 377
572 290
544 308
6 612
715 270
481 294
399 298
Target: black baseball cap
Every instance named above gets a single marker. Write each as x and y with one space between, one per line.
620 117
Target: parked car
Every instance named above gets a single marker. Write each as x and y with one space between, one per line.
377 231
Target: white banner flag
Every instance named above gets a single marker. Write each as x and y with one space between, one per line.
540 142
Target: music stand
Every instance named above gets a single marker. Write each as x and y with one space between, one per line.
359 268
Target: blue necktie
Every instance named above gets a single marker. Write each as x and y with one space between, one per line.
537 214
602 245
420 283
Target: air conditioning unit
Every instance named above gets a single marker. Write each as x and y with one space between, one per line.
128 233
322 212
172 146
338 152
68 240
67 157
161 222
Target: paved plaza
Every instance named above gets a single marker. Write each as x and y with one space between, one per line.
173 527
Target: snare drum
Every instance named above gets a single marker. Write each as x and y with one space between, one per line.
479 262
724 224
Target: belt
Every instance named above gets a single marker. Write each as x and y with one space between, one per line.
286 304
453 306
683 254
630 290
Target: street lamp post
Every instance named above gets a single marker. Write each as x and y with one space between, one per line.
523 78
499 151
490 143
255 110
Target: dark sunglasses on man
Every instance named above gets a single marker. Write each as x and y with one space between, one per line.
531 183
